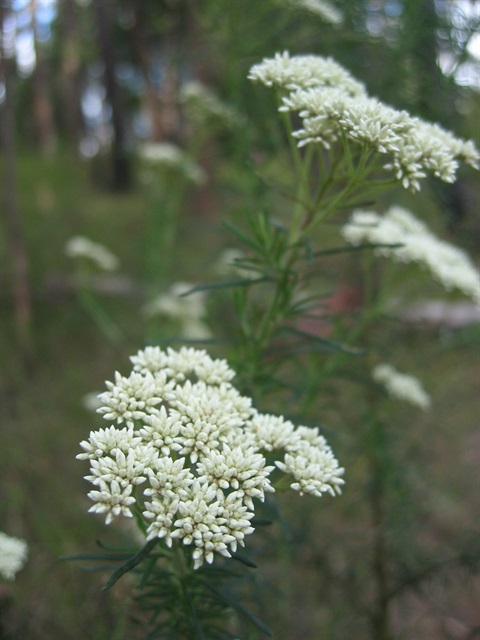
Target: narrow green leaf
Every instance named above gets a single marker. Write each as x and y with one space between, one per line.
360 247
236 606
244 560
246 239
134 560
112 557
330 345
225 284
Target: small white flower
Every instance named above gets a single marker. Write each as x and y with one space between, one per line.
401 386
271 432
100 256
131 398
13 555
106 441
163 513
125 469
243 470
314 469
112 499
162 431
170 479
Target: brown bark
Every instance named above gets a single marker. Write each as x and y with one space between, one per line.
120 161
14 232
42 107
71 71
143 55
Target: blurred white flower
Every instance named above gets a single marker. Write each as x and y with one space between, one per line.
169 156
90 401
401 386
186 311
13 555
449 265
100 256
229 264
206 108
322 8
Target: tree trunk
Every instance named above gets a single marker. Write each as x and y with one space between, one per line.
143 57
15 237
71 72
120 161
42 106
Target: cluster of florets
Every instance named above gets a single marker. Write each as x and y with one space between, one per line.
401 385
333 106
404 238
189 452
13 555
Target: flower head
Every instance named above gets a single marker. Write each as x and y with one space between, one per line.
322 8
203 106
302 72
192 452
170 157
401 386
406 239
186 310
333 106
95 253
13 555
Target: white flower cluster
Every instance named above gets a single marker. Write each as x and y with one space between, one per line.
205 107
13 555
333 105
100 256
325 10
196 447
302 72
448 264
187 311
170 156
401 386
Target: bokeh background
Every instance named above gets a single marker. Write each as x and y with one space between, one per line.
84 85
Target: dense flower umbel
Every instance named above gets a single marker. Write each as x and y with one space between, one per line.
13 555
410 240
188 454
332 105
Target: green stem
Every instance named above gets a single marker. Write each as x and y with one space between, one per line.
101 318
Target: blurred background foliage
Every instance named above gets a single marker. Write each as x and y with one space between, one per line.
83 83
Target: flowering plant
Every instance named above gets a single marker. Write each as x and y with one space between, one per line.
188 454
